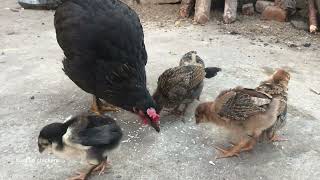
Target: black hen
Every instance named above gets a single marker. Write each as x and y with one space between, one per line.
103 42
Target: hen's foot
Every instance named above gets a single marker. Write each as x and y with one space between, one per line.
106 107
277 138
101 167
227 153
80 176
94 106
99 107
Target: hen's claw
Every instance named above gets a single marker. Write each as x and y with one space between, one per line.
108 108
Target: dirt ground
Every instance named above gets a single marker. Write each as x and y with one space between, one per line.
34 92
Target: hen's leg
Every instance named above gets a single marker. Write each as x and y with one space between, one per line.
99 107
106 107
94 106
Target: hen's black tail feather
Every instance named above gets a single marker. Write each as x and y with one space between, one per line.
211 71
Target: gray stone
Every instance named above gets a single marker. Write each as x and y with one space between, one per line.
248 9
261 5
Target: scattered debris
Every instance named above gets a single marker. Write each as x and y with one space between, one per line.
11 33
248 9
291 45
16 9
307 44
314 91
118 176
177 23
234 33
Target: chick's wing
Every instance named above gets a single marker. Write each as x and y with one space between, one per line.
239 104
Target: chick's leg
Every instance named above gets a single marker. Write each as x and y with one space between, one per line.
176 111
83 175
249 146
101 167
233 151
277 138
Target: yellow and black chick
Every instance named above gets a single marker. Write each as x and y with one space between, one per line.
183 84
85 136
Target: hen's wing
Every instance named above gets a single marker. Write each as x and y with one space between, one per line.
103 42
104 29
176 83
239 104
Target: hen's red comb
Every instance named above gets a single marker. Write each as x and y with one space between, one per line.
153 114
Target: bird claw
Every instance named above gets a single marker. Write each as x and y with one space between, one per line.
109 108
101 167
277 138
226 153
80 176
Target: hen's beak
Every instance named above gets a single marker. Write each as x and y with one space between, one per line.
155 125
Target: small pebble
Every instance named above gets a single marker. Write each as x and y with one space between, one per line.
32 97
307 44
212 163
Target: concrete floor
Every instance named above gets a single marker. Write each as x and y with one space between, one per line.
30 63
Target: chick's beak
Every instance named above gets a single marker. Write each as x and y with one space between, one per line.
41 149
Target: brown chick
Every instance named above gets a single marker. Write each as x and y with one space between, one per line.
181 86
246 112
276 86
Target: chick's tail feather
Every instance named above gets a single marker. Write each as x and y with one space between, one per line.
211 71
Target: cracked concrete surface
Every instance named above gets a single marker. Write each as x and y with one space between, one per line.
34 92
